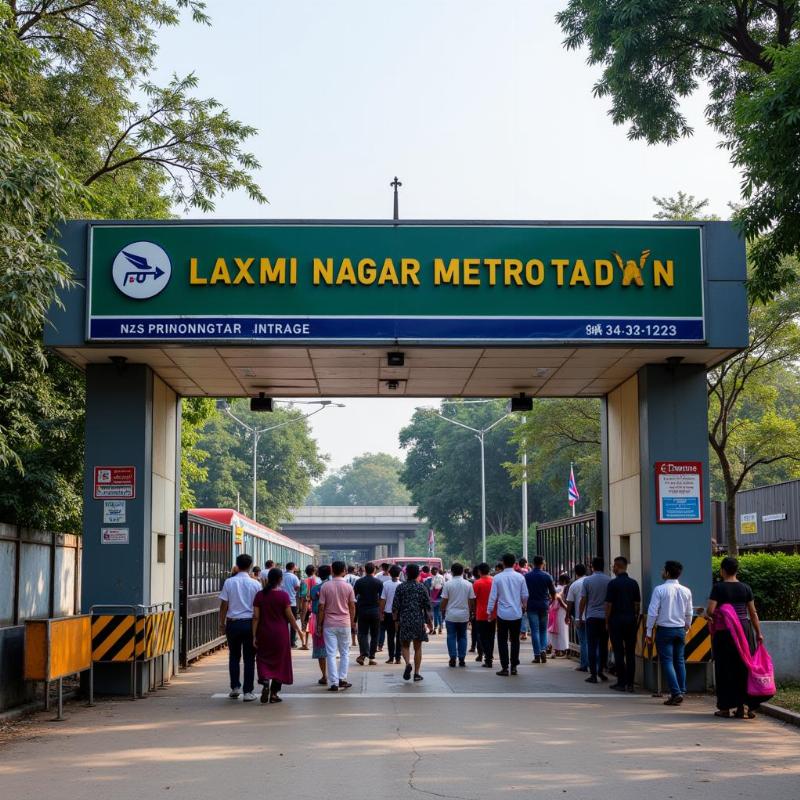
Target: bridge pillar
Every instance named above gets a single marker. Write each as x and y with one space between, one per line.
401 544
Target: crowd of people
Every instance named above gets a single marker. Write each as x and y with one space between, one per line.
265 613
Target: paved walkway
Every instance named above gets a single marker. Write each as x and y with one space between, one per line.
462 733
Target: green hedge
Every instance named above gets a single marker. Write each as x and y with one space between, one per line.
775 581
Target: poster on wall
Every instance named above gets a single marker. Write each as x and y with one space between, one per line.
679 491
748 523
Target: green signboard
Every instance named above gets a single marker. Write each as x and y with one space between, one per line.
388 283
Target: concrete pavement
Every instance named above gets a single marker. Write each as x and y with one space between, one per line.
461 733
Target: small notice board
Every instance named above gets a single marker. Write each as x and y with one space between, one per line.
679 491
115 482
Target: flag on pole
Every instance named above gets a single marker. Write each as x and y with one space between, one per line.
431 541
573 495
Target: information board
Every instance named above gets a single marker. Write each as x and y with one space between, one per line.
114 482
679 491
343 282
748 523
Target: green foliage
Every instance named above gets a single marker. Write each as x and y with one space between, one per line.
775 581
555 434
501 543
288 461
369 480
443 468
765 143
685 207
752 404
42 414
83 132
655 54
195 413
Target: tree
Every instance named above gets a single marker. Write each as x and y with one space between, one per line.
764 145
195 413
684 207
288 461
753 401
753 398
42 414
84 133
555 434
655 54
442 472
369 480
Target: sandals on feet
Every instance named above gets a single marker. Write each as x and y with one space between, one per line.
724 714
418 677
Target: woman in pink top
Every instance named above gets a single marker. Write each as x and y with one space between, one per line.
272 616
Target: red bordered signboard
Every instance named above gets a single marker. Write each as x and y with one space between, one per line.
679 492
114 483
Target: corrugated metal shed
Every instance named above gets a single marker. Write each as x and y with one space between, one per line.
768 516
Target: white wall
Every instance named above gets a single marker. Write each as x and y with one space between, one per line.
165 418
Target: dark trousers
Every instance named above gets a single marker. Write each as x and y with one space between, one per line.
508 628
291 630
392 636
239 633
369 623
474 639
623 641
486 639
597 640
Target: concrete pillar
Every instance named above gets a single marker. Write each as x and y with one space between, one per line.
658 415
132 420
401 544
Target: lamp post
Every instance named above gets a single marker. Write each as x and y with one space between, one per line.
480 434
256 432
524 498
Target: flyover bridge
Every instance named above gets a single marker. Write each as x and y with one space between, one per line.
372 531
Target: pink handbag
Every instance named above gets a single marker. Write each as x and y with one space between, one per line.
760 672
761 678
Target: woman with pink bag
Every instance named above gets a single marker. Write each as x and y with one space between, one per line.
742 679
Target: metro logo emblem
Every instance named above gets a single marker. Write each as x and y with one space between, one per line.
141 270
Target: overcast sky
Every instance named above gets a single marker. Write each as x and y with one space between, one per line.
476 107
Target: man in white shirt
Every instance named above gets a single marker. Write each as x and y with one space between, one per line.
386 605
458 605
236 622
670 612
573 612
291 583
510 595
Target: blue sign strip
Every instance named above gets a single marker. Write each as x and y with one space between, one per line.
445 329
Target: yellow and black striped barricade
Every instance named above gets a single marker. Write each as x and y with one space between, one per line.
697 647
159 637
118 633
56 648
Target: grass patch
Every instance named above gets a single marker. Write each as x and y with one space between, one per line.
788 696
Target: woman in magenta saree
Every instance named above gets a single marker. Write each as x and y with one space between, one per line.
272 616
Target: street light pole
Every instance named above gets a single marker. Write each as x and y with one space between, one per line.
483 498
524 498
480 434
256 434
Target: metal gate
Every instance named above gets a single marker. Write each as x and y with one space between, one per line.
205 548
570 541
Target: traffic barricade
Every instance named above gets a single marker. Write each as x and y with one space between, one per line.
131 634
697 652
56 648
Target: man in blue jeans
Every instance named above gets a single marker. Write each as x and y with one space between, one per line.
458 606
573 604
670 612
541 591
236 622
